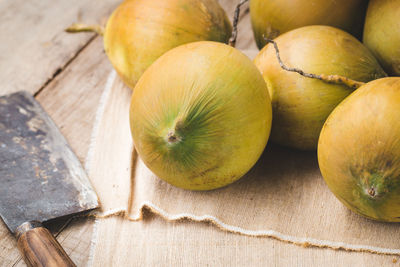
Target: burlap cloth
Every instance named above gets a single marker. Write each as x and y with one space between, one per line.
283 198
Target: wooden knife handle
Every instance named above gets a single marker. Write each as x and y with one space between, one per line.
39 247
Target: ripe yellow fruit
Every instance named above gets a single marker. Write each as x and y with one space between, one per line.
300 104
274 17
201 115
140 31
382 33
359 150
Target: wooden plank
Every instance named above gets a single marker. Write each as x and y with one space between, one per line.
8 247
34 47
76 238
71 99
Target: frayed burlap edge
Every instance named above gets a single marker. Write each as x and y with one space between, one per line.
299 241
148 206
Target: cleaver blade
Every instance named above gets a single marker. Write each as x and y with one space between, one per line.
40 177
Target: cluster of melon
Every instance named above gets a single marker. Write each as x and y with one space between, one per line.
202 112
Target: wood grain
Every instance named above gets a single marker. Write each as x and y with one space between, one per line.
36 49
34 46
71 99
76 241
9 253
39 248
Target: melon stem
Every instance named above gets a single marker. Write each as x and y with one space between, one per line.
335 79
81 27
371 192
173 135
232 40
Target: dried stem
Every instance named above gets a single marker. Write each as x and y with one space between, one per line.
232 40
336 79
80 27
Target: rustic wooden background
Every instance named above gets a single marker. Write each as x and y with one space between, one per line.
66 73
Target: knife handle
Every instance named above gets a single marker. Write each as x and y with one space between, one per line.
39 247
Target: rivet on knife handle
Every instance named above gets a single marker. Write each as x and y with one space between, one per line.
39 248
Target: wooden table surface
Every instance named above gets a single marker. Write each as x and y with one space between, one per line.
66 73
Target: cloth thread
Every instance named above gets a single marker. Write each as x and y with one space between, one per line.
155 209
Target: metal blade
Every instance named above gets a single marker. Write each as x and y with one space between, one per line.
40 177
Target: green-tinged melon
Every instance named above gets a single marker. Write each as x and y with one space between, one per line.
271 18
140 31
359 150
300 104
382 33
201 116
